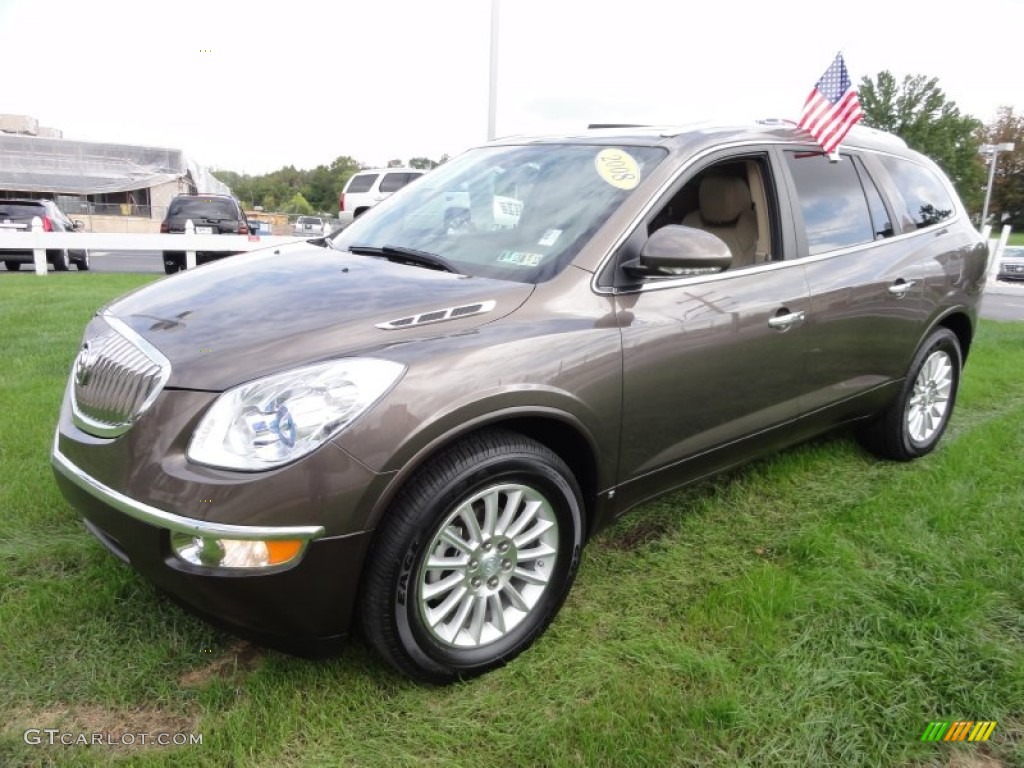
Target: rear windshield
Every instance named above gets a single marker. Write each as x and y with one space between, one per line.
203 208
361 182
309 220
11 210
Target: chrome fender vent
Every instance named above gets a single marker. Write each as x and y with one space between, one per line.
439 315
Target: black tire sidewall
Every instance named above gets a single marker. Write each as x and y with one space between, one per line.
945 340
61 261
564 496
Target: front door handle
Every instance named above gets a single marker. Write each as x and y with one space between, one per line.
900 287
784 322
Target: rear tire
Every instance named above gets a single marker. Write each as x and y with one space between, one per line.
61 262
12 266
83 264
474 559
173 262
914 422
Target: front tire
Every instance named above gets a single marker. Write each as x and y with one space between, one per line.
12 266
474 559
83 263
914 422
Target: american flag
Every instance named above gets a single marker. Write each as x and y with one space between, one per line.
832 107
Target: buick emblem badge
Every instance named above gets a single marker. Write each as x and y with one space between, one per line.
84 365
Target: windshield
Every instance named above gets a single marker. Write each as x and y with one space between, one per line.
515 213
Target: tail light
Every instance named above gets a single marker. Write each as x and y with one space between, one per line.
341 202
164 227
47 224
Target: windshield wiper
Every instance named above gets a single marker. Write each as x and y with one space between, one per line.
403 255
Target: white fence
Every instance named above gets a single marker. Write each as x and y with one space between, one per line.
997 251
39 241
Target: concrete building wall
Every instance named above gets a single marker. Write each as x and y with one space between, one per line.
161 195
130 224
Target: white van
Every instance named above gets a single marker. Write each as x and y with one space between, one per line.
369 187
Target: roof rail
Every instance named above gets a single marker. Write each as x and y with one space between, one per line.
616 125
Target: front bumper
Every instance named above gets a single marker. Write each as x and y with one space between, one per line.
133 491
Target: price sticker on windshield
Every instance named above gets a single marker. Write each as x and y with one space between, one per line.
618 168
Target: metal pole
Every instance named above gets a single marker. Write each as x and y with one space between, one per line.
988 189
492 97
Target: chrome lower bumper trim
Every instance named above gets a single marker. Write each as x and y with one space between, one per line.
161 519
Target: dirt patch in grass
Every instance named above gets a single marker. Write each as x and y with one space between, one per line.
241 657
638 534
965 760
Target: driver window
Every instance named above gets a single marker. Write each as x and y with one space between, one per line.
728 200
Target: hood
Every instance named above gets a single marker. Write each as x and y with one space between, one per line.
270 310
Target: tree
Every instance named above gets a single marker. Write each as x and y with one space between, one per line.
394 163
298 204
1007 204
917 111
423 163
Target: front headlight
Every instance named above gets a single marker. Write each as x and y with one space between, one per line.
280 418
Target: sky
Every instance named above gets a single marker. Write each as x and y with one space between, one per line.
254 86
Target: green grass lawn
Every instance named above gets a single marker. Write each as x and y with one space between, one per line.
817 608
1016 238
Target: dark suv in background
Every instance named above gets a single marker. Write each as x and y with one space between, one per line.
210 215
17 215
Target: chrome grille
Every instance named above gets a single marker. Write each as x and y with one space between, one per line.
116 377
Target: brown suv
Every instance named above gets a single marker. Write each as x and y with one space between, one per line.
415 425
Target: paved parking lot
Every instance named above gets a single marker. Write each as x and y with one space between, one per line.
1003 301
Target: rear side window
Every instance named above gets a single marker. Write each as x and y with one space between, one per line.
925 195
203 207
832 201
361 182
392 182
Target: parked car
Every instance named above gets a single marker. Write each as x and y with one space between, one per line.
1011 265
309 226
210 215
17 214
369 187
416 425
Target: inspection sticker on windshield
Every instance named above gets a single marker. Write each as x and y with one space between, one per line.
618 168
550 237
520 257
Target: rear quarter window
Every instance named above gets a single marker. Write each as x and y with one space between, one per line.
923 193
361 182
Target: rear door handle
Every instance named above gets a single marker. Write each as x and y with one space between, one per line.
900 287
784 322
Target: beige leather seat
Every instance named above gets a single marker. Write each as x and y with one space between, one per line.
727 213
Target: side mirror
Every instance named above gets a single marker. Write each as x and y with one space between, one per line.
78 224
678 251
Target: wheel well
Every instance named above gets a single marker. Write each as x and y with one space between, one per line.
961 326
360 211
570 445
